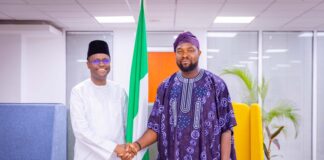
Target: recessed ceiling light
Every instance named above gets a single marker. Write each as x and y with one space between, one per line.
221 19
282 65
253 58
222 34
213 50
276 50
116 19
320 34
82 60
254 52
306 34
310 34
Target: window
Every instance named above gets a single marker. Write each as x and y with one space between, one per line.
233 49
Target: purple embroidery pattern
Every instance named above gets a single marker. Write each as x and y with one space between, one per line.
190 121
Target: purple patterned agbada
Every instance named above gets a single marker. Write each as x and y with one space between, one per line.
189 116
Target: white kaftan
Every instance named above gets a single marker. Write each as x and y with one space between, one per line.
98 119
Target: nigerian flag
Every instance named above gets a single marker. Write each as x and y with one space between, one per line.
138 89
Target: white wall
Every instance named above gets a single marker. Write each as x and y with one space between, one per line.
123 53
32 66
43 70
10 53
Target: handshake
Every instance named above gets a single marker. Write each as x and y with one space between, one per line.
127 151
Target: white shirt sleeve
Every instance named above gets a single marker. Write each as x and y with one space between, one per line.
103 147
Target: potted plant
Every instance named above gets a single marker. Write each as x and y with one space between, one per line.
284 109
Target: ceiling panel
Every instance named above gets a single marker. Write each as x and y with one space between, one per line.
78 27
222 26
58 7
12 2
169 14
158 12
293 1
269 23
243 9
281 13
161 27
101 1
50 1
292 5
31 15
181 2
106 7
109 13
16 8
160 8
317 14
118 26
190 15
78 20
320 27
81 24
69 14
320 6
3 16
304 23
193 20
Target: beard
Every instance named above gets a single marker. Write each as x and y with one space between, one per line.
189 68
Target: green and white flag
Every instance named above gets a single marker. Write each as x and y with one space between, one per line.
138 89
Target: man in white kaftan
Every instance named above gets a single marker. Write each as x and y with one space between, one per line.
98 109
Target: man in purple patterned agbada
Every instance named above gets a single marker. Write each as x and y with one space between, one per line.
192 117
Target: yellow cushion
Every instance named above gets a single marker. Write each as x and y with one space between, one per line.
248 132
256 133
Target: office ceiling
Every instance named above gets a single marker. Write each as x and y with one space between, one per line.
170 14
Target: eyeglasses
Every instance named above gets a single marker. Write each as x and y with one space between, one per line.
97 61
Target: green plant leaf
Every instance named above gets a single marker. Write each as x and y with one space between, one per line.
268 131
284 131
276 142
246 77
266 151
285 110
276 133
243 74
263 89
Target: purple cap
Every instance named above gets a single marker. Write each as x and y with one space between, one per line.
185 37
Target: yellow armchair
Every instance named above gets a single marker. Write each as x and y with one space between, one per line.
248 132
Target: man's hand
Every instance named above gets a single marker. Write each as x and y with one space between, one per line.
120 150
126 151
148 138
133 148
131 151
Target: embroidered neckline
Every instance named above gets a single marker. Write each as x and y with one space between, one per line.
190 80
